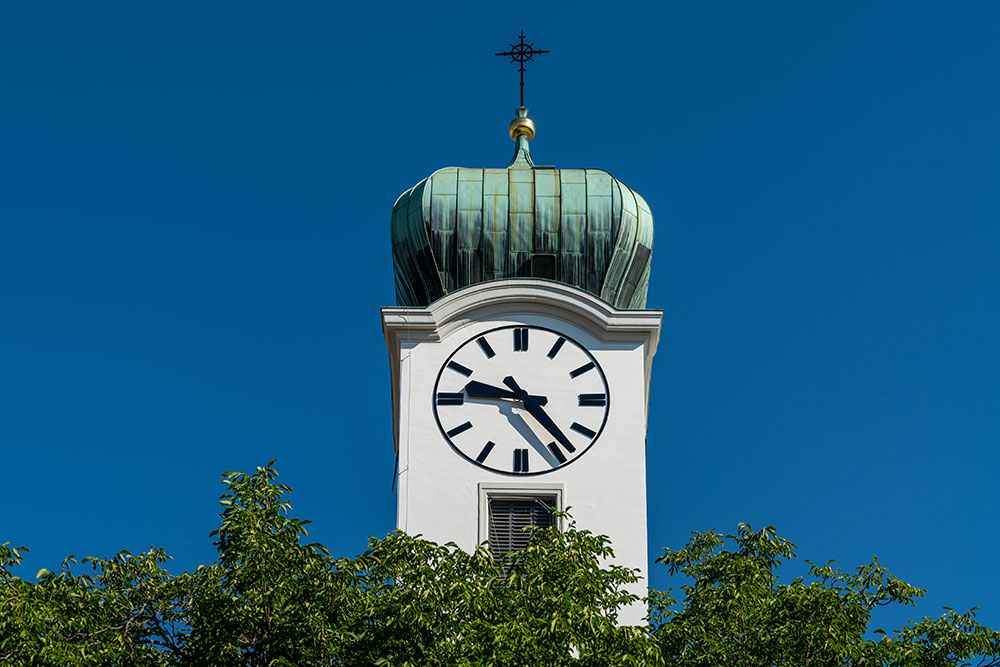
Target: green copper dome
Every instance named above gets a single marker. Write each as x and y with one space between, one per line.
581 227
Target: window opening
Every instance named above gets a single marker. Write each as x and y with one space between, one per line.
510 515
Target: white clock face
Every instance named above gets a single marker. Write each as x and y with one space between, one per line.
521 400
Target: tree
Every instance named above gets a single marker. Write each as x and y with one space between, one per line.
272 599
735 612
128 611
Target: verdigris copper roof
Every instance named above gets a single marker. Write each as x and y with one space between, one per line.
581 227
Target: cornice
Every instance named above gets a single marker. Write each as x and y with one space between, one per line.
496 298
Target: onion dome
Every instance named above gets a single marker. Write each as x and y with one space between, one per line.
580 227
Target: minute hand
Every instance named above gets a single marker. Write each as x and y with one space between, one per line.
536 411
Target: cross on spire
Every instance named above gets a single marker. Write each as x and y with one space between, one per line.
521 53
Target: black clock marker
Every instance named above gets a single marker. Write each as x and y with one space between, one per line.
579 428
520 340
485 347
520 460
446 398
593 399
581 370
459 368
556 452
461 428
556 347
486 451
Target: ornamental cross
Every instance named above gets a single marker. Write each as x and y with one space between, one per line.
521 53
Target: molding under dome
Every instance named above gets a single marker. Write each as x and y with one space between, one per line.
495 300
523 296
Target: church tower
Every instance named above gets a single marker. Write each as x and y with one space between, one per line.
520 354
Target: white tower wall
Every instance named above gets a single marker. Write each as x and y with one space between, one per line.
442 496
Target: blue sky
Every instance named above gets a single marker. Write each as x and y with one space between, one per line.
194 245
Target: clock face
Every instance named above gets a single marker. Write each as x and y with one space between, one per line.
521 400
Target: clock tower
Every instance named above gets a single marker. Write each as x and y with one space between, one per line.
520 354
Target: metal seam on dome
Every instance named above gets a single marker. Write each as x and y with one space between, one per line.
638 261
482 225
623 295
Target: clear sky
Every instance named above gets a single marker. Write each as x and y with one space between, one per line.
194 246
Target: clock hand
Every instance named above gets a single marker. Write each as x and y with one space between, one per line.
510 382
535 410
482 390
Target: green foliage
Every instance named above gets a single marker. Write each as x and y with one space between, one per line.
425 604
269 599
735 612
272 599
126 611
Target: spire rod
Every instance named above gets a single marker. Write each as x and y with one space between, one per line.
521 53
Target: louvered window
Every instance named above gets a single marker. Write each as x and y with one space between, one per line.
510 515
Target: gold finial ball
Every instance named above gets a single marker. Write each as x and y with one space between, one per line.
520 126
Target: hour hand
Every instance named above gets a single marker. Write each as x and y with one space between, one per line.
482 390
